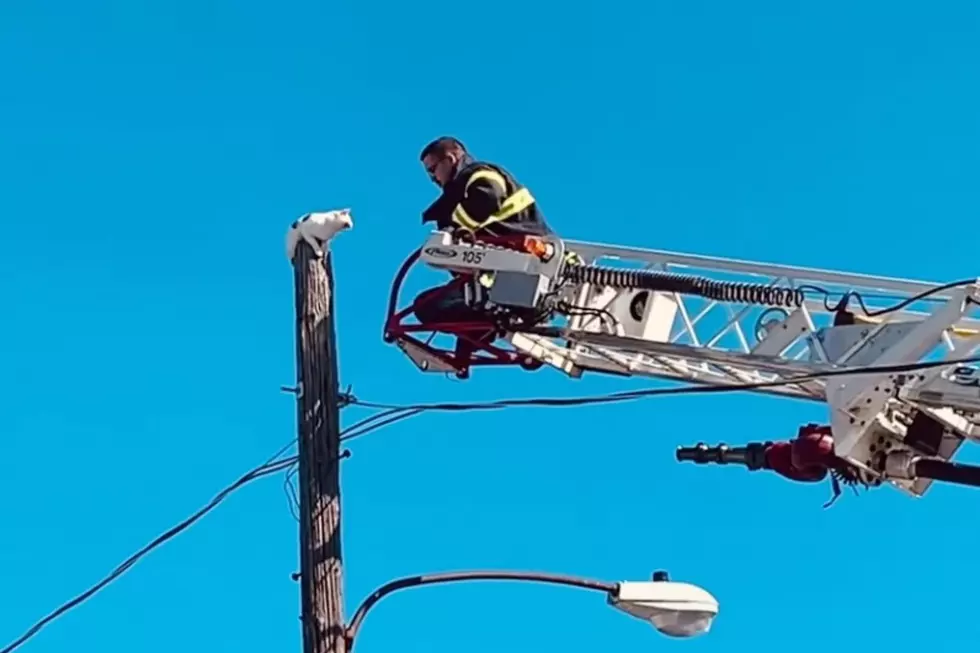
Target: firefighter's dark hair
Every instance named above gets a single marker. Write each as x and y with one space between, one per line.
443 146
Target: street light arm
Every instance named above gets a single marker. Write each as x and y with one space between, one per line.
457 576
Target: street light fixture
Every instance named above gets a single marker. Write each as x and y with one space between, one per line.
674 609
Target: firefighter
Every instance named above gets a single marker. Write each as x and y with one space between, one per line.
477 197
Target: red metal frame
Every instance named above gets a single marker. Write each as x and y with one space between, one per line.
473 339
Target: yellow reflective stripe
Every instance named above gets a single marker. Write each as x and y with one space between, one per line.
460 216
492 175
511 206
463 219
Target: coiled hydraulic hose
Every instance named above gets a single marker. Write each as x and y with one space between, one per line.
724 291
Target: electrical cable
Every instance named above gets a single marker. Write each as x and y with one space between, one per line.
925 295
386 411
392 418
271 466
264 469
681 390
395 413
283 449
365 427
601 313
905 302
292 497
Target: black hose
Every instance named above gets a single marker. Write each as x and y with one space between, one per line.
942 470
724 291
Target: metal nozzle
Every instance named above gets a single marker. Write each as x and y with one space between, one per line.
752 455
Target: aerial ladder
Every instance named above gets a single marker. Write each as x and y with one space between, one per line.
891 358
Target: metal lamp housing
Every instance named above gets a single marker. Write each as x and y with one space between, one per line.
674 609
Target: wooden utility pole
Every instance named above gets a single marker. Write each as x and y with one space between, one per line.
321 571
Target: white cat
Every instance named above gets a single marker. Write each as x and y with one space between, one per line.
317 229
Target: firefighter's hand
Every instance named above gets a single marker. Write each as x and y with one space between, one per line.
317 229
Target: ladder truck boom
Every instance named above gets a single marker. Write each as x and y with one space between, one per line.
713 321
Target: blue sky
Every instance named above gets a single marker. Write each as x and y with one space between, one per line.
152 155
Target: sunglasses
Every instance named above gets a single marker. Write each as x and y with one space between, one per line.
431 169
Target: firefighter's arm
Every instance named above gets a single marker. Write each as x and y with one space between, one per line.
485 193
440 212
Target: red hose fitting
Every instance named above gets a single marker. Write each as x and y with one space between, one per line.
806 458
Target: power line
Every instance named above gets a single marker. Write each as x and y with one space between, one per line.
393 413
292 498
271 466
629 395
264 469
